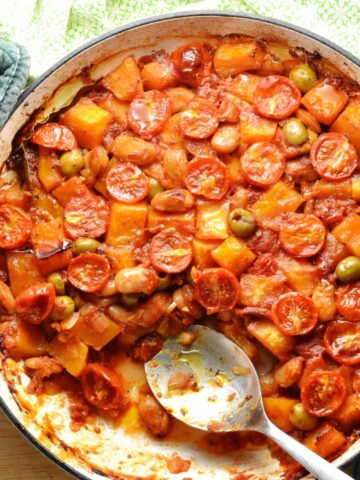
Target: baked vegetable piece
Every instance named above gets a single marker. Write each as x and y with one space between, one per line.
218 179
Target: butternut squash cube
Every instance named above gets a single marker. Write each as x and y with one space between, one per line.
272 338
278 410
202 252
125 80
160 221
48 169
325 102
260 290
244 86
23 270
127 223
47 237
55 263
300 275
234 255
254 128
212 221
71 352
88 122
278 199
67 190
120 257
324 300
348 123
234 58
23 340
325 440
95 328
348 232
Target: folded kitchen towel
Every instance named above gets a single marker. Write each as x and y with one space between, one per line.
14 71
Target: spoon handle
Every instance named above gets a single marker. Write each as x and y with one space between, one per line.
320 468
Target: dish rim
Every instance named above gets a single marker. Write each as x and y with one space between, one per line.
105 36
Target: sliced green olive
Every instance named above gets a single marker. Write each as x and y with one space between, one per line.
154 188
242 222
164 282
129 300
301 419
295 132
82 245
303 76
64 307
58 282
348 269
71 162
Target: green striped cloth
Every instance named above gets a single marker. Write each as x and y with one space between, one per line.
49 29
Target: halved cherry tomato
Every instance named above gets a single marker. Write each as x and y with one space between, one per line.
191 63
333 156
35 303
15 226
276 97
323 393
127 183
200 119
102 388
294 314
207 176
348 302
217 290
262 164
149 112
342 342
56 136
86 216
170 252
302 234
89 272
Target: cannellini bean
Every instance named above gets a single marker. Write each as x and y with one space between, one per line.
96 162
174 162
226 138
136 280
154 416
134 150
109 289
175 200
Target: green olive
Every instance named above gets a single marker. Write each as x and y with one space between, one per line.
301 419
82 245
71 162
303 76
58 282
64 307
164 282
295 132
129 300
154 188
348 269
242 222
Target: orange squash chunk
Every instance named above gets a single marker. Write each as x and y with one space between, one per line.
67 190
325 440
234 58
88 122
212 221
260 290
71 352
48 169
278 410
272 338
23 270
348 123
202 252
348 232
125 80
278 199
127 223
234 255
325 102
160 221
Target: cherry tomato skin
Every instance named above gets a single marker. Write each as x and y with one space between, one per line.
56 136
36 302
200 119
217 290
276 97
15 227
348 302
342 342
302 235
170 252
262 164
86 216
89 272
333 156
208 177
323 393
294 314
149 112
191 63
102 388
127 183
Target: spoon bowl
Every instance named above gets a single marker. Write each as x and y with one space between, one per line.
211 384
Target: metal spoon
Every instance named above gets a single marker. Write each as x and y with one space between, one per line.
223 394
